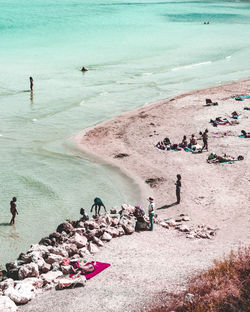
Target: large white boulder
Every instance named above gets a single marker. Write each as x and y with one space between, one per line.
92 248
7 305
51 276
22 293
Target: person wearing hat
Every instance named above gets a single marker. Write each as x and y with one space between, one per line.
151 212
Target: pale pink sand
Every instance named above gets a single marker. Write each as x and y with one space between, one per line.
146 264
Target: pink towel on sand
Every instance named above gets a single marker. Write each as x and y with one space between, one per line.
99 267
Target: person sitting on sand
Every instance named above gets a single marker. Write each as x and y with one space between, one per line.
184 142
160 145
13 210
245 134
193 140
85 216
98 204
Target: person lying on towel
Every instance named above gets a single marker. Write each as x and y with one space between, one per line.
245 134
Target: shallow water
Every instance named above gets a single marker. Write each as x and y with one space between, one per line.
136 52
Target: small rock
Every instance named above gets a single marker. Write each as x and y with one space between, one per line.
183 228
171 222
28 270
98 242
53 258
106 237
93 248
164 224
66 227
112 231
55 266
46 267
186 218
78 240
189 297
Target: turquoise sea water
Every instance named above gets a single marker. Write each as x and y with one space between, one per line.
136 52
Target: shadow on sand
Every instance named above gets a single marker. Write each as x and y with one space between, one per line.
4 224
167 206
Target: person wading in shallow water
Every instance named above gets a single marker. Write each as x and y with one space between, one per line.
31 84
178 189
98 204
13 210
151 212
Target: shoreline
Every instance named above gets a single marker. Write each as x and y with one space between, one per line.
85 140
213 194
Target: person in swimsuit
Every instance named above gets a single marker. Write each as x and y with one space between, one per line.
31 84
98 204
205 140
13 210
151 212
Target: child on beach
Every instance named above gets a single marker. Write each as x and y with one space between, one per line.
13 210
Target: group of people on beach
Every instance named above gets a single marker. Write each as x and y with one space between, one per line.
191 146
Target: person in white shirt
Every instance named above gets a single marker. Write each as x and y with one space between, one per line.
151 212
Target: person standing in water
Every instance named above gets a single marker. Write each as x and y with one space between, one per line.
151 212
13 210
98 204
31 84
178 188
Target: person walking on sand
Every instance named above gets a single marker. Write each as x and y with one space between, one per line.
178 189
205 140
98 204
13 210
31 84
151 212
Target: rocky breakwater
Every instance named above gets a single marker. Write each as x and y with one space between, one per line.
46 265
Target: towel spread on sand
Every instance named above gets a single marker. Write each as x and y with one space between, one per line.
99 267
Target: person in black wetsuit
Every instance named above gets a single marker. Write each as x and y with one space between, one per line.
13 210
98 204
178 189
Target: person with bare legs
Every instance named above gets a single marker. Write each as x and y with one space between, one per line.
13 210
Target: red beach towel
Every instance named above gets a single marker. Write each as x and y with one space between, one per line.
99 267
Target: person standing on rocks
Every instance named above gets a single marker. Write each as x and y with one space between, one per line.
178 188
151 212
13 210
98 204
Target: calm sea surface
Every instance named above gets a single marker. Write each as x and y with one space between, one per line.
136 52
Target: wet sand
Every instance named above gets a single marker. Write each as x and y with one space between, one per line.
146 264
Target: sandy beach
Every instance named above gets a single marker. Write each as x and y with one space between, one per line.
147 266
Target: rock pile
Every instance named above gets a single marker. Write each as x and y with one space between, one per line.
191 231
43 266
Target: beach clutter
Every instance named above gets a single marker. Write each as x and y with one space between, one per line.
65 258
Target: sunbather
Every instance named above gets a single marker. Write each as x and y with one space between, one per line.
245 134
193 140
235 115
184 142
160 145
213 158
